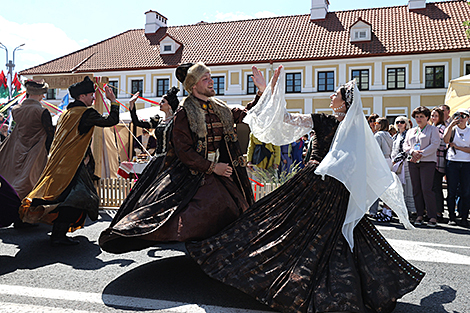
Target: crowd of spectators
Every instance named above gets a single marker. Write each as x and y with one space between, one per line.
434 153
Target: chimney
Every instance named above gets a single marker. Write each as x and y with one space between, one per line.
319 9
416 4
153 21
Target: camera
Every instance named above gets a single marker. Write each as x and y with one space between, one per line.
456 115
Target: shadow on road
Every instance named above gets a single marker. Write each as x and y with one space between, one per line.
434 303
35 251
178 279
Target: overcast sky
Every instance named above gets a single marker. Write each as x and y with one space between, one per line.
52 28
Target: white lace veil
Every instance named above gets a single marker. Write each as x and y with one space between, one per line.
355 158
267 118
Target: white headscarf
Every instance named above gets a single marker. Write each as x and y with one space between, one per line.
355 158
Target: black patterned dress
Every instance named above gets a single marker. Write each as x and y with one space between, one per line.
288 251
163 157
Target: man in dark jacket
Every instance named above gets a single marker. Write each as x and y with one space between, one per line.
65 194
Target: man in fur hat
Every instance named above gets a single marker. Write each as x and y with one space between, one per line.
24 152
206 187
206 143
64 194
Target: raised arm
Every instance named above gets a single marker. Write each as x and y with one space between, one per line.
135 120
91 117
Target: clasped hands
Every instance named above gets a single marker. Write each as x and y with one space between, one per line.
416 155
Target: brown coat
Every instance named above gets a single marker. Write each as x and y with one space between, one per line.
184 202
67 152
23 154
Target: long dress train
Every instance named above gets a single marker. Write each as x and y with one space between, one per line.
288 250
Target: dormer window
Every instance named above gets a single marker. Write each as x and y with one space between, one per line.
360 34
168 45
361 31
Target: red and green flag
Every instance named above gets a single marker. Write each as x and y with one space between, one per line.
16 85
3 86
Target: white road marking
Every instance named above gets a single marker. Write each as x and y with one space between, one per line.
28 308
113 301
424 251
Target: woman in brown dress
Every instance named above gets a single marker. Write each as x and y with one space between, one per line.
288 250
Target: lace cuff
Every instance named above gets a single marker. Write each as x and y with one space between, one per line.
297 119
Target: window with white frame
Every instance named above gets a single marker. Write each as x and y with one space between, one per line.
360 31
467 69
326 81
250 85
51 94
362 78
434 76
360 34
162 86
293 82
114 85
396 78
137 85
219 85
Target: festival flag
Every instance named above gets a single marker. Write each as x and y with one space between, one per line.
16 85
64 102
3 86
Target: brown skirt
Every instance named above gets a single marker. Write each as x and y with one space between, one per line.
176 206
288 252
216 204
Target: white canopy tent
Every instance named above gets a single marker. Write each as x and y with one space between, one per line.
458 94
143 114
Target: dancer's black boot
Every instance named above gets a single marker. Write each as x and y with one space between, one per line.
59 235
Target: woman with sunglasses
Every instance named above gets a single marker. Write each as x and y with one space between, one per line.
421 144
400 165
457 135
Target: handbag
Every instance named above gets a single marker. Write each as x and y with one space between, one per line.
397 168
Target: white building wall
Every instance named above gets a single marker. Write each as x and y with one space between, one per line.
236 93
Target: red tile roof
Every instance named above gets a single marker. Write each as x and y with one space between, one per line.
396 30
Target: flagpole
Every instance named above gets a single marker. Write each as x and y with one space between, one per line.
11 67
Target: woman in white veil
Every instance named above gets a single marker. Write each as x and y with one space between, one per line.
307 247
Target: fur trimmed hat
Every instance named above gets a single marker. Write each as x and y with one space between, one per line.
189 74
36 88
172 97
81 88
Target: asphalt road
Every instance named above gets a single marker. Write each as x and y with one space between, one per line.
35 277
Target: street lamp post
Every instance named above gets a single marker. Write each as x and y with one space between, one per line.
11 66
